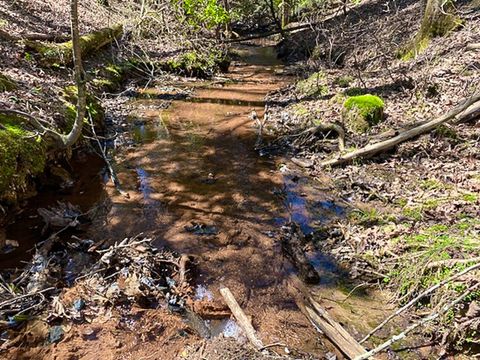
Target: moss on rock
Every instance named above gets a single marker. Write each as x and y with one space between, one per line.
6 84
362 112
21 156
52 54
94 109
314 85
110 77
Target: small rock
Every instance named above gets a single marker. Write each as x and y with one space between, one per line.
79 304
55 334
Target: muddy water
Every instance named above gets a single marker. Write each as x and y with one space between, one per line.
196 185
27 227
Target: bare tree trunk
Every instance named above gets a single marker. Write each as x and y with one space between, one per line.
438 18
74 135
286 8
228 25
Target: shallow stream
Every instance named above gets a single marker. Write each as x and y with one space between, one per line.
196 183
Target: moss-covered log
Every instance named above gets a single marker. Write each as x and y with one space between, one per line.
438 20
51 54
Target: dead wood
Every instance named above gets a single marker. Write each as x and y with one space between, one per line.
323 321
33 37
421 296
458 113
473 46
431 317
292 244
451 262
242 319
306 135
45 37
103 153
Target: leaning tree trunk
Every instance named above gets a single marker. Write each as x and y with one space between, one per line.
72 137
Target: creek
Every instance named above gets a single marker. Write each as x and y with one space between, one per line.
197 185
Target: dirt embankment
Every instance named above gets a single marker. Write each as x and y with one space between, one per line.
416 207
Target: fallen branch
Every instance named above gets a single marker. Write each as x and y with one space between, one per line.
422 322
21 297
33 36
419 297
451 262
111 171
292 244
324 322
322 128
456 113
242 319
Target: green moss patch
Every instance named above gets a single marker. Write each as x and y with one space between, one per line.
21 156
110 78
6 84
94 109
198 65
52 55
344 81
362 112
314 85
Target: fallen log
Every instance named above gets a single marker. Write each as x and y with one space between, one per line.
323 321
293 241
466 108
33 36
51 54
242 319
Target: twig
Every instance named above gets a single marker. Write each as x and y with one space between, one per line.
112 173
14 300
451 262
422 322
418 297
242 319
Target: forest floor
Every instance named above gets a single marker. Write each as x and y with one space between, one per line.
382 229
414 210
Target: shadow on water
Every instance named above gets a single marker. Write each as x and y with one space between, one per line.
26 227
194 163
